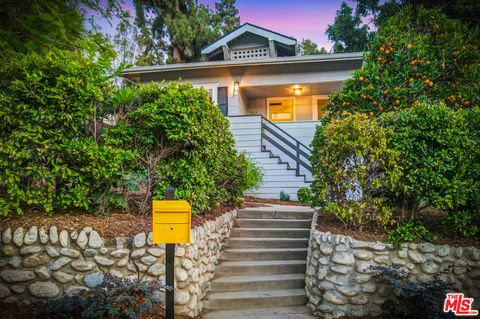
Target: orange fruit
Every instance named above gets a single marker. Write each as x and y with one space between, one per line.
371 114
409 46
397 102
387 52
361 78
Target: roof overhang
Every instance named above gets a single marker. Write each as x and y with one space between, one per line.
324 58
247 27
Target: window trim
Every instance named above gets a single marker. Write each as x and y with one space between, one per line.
273 99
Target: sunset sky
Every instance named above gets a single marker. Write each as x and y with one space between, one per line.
299 19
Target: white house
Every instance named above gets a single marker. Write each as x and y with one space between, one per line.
272 97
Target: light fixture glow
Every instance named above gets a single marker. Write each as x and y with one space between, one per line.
235 87
297 90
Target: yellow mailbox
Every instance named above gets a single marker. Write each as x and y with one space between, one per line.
171 221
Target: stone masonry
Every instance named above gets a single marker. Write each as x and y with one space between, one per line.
42 263
339 281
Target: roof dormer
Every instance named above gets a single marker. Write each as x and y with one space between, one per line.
250 42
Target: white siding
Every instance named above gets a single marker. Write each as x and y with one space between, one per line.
277 176
302 131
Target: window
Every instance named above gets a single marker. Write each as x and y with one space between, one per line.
211 89
281 110
318 103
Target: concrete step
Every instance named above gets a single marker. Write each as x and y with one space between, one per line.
256 299
298 312
260 267
273 223
264 282
264 254
267 243
271 232
271 213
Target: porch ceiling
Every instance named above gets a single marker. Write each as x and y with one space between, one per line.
287 89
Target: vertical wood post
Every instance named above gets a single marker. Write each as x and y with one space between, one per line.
169 269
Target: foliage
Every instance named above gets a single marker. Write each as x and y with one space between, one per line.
414 299
284 196
419 55
50 106
114 298
408 231
347 32
440 157
175 31
305 195
308 47
463 223
227 16
380 11
352 167
181 140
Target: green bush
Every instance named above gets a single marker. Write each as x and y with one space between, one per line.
440 157
305 195
462 223
408 231
418 55
114 298
352 167
50 118
181 140
284 196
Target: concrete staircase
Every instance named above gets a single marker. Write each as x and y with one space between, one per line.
262 270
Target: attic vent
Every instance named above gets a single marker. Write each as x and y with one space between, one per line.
258 53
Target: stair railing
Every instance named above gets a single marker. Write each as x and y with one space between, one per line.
287 144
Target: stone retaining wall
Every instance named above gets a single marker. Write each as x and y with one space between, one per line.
339 280
41 264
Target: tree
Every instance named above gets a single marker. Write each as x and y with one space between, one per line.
227 15
347 31
308 47
418 55
464 10
175 31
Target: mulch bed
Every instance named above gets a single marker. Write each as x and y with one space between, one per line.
432 219
117 224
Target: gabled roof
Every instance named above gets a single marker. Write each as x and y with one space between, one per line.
248 27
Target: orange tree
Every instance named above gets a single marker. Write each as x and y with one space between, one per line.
418 55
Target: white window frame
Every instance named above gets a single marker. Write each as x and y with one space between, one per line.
273 99
210 86
315 98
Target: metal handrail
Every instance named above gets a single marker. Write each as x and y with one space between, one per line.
294 151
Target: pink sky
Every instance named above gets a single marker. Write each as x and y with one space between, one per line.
299 19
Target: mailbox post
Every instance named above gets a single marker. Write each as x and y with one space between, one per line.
171 223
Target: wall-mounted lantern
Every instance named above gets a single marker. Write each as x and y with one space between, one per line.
297 90
236 85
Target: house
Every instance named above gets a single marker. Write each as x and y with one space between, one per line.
272 97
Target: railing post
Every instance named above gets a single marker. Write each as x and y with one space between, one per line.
298 157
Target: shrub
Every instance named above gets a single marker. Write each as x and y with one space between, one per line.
418 55
408 231
50 118
352 167
181 140
305 195
284 196
463 223
413 299
114 298
440 157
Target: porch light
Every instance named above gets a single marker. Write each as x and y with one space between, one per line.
297 90
235 87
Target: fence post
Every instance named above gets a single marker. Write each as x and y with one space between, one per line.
169 269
